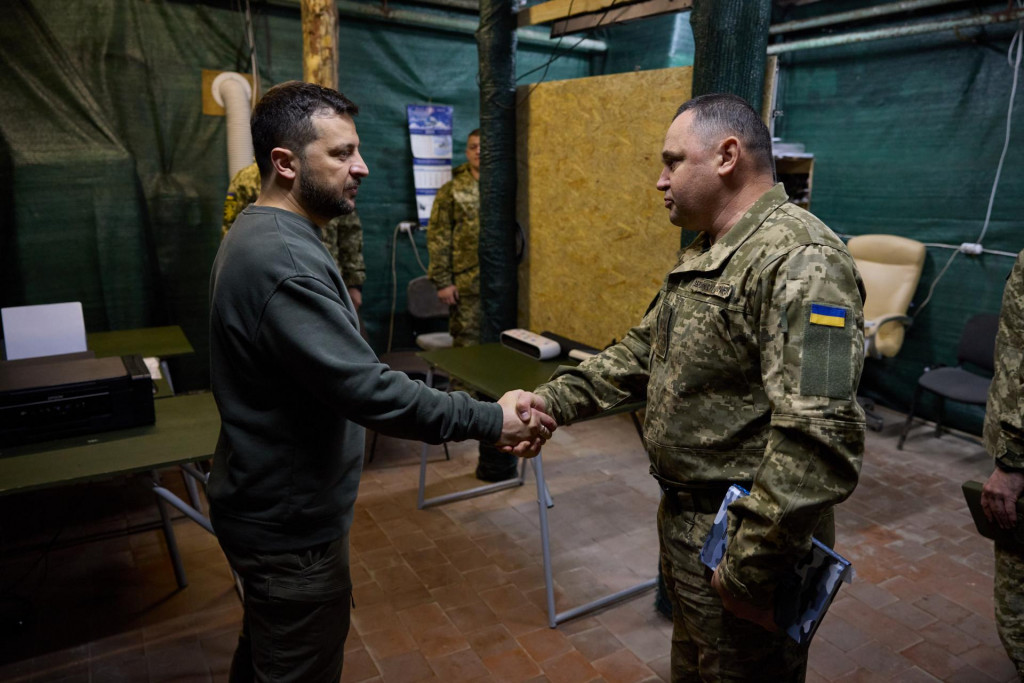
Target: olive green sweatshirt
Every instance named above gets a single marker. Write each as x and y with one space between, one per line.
296 384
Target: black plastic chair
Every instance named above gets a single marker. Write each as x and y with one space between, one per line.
978 348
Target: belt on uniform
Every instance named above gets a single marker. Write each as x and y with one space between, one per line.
704 498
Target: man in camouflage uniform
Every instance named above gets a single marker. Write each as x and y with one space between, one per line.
1004 440
749 359
453 241
343 236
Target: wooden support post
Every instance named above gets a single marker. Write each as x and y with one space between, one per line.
320 42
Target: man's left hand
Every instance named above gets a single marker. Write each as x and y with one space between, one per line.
764 618
356 296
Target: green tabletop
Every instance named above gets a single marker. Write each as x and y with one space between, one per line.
145 341
186 430
493 369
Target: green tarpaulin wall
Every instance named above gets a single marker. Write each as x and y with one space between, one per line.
906 135
114 180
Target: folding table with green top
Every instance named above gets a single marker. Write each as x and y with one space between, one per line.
493 370
158 342
186 430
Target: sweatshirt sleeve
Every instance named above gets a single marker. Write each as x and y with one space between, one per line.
314 338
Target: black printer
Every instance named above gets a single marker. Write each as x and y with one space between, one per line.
58 396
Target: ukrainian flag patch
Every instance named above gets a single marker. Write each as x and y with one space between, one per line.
830 316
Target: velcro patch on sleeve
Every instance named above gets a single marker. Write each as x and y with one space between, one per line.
827 361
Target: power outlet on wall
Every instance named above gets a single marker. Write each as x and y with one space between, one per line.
408 226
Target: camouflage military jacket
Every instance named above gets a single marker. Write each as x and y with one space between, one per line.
749 359
343 235
1004 414
453 234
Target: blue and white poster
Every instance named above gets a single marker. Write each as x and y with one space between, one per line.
430 134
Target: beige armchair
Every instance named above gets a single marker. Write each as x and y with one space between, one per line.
891 268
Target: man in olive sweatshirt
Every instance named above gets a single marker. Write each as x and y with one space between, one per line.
296 384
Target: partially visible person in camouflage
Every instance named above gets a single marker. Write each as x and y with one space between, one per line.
749 359
343 236
453 241
1004 440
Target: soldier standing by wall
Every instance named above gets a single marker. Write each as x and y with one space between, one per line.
343 235
1004 440
749 360
453 241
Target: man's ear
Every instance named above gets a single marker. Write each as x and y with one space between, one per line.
285 162
728 155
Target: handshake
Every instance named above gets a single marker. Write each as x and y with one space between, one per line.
525 426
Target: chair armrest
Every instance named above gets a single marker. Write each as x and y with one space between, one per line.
892 317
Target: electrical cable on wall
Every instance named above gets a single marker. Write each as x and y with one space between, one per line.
407 227
1013 58
557 55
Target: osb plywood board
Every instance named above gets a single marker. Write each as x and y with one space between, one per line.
598 238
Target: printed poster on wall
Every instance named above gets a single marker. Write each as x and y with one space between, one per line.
430 134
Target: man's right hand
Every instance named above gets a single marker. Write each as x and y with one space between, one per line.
449 295
999 497
525 426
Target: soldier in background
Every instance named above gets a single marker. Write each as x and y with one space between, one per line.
1004 441
343 236
749 359
453 241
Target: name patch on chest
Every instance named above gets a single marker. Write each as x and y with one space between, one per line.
712 288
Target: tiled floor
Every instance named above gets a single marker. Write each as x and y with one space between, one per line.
456 593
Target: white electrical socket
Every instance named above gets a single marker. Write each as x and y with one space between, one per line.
408 226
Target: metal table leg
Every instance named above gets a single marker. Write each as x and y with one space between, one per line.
555 618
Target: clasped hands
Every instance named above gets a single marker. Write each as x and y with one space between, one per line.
525 426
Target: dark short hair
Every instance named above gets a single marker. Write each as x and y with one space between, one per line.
717 115
284 117
475 131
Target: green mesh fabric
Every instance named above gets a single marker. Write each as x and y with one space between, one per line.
906 135
114 179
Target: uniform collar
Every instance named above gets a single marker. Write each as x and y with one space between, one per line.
699 257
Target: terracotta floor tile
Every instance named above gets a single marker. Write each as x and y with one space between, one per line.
468 618
405 668
596 643
934 659
440 641
459 666
569 667
503 599
373 618
622 667
424 617
388 642
544 643
829 661
426 580
511 665
491 640
358 667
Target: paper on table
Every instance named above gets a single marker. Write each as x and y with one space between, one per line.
43 330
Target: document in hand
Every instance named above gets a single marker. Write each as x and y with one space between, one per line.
802 597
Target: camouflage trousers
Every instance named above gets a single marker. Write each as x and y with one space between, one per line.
708 642
1009 599
464 317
